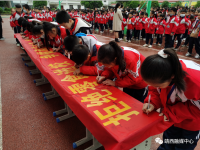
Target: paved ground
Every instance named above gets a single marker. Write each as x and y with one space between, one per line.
27 120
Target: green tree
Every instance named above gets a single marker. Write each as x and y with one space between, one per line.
39 4
197 4
134 4
3 3
165 4
92 4
155 4
142 3
177 3
1 10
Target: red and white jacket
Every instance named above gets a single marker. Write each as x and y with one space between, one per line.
151 25
96 18
107 16
48 16
102 19
146 23
12 24
130 22
171 25
30 15
139 23
183 109
161 27
124 23
131 77
192 25
16 16
87 17
111 16
39 16
184 23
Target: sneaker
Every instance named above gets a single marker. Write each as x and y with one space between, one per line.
175 49
150 46
154 43
120 39
159 44
144 39
182 45
129 41
101 32
2 39
176 41
18 44
188 54
197 56
145 45
22 48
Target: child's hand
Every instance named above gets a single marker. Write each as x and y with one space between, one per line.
145 106
26 38
56 49
77 71
76 66
100 79
165 118
109 82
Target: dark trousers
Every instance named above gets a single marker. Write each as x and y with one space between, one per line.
110 22
91 24
139 94
197 45
159 39
106 26
17 29
102 27
149 37
169 42
138 34
185 34
129 34
121 34
96 26
1 31
176 133
179 38
187 40
143 34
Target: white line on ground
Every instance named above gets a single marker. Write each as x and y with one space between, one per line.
148 48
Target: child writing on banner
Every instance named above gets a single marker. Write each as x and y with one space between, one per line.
75 25
151 25
174 87
124 65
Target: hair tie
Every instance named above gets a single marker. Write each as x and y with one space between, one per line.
162 54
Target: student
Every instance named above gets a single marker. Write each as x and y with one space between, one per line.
174 87
87 16
160 30
28 11
12 24
192 24
16 16
129 27
139 23
195 41
124 64
38 14
111 19
73 40
96 25
102 21
106 16
150 29
134 24
170 28
146 24
75 25
184 23
91 19
54 36
124 23
48 15
143 33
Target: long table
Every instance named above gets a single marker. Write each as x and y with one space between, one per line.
114 118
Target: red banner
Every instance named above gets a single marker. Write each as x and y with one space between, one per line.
114 118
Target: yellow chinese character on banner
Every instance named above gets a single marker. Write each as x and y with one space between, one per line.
97 99
81 88
41 50
64 70
45 53
73 78
111 113
48 56
59 65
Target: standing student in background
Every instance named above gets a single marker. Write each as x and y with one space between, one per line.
117 21
28 11
129 27
170 28
150 29
144 26
48 15
174 88
110 22
160 29
139 23
136 16
12 24
102 21
121 33
96 21
106 16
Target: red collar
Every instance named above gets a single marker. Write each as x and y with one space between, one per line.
74 26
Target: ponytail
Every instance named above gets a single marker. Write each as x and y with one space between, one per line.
108 52
160 68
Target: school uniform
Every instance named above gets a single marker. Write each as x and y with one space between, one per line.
87 18
189 32
143 33
171 27
39 16
160 31
150 30
110 22
48 16
183 109
139 23
107 16
121 33
130 80
96 25
129 28
102 21
183 24
30 15
80 25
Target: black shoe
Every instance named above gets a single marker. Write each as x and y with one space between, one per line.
116 40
